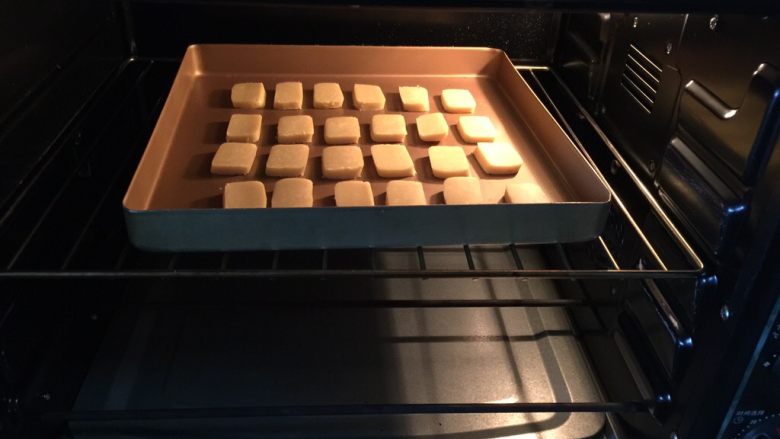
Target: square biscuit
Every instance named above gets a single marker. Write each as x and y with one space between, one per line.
448 161
414 98
517 193
405 193
353 194
432 127
287 160
295 129
342 162
368 97
458 101
462 190
293 192
388 128
392 161
244 128
498 158
233 158
288 96
328 95
248 95
244 195
342 130
476 129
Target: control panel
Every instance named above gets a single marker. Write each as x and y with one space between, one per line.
758 413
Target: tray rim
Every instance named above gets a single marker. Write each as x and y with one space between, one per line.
604 194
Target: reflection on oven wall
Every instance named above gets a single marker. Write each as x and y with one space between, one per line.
727 117
699 123
691 100
260 23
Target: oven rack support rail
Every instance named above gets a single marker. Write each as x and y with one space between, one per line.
350 410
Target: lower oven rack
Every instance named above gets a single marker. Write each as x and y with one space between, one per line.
346 410
65 225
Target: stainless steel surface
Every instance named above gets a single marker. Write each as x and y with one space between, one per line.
205 354
706 98
736 134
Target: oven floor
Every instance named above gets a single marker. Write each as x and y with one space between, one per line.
209 344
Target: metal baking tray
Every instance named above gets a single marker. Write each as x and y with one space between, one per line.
174 203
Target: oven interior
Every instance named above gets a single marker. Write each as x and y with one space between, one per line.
622 336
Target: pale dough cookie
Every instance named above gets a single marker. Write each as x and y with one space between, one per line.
244 195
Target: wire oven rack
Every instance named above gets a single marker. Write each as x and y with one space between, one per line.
65 223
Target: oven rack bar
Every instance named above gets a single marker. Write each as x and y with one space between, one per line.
384 274
425 303
351 410
222 269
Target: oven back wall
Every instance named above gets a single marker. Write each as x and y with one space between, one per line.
54 55
37 39
165 30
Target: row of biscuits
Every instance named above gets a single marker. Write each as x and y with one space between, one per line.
289 159
328 95
341 130
346 161
298 192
